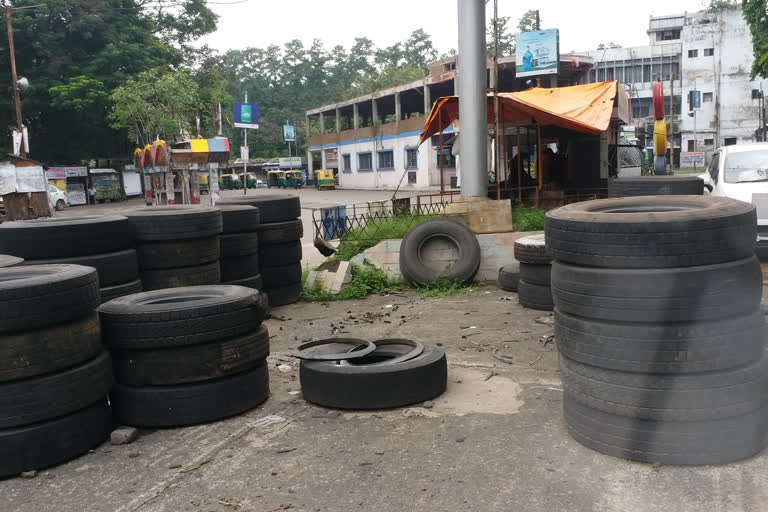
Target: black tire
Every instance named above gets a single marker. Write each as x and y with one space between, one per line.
182 365
532 249
280 254
761 250
280 232
663 348
683 397
56 394
120 290
375 387
536 274
706 293
66 238
175 222
9 261
26 354
254 282
190 404
38 446
238 218
199 275
414 269
239 244
272 207
37 296
284 295
113 267
534 296
284 275
181 316
652 232
175 254
508 277
706 442
656 186
60 205
239 267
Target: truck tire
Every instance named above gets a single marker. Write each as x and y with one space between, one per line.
280 254
9 261
178 253
239 244
532 250
509 276
239 267
175 222
272 207
280 232
113 268
254 282
536 274
207 274
119 290
414 269
283 275
238 218
284 295
534 296
652 232
191 404
656 186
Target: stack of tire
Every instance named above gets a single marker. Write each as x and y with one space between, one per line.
54 372
177 245
239 244
105 243
534 289
659 130
656 186
280 231
658 324
185 356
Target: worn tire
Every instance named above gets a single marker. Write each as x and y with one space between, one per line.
532 250
705 442
375 387
239 244
240 267
208 274
534 296
119 290
283 295
254 282
26 354
175 222
272 207
279 276
237 218
656 186
280 232
40 445
661 348
113 267
40 398
66 238
414 270
180 317
663 295
280 254
180 253
195 363
695 231
677 397
536 274
509 276
9 261
37 296
190 404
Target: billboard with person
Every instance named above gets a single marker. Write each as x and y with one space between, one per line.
537 53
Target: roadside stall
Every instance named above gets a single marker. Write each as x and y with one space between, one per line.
71 180
107 185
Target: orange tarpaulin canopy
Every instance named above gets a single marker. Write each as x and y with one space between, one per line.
582 108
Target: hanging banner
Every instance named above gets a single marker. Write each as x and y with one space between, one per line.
289 133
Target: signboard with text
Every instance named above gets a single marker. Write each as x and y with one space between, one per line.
289 133
289 163
692 159
246 115
76 194
537 53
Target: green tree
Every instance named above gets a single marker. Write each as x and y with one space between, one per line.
499 26
756 15
418 50
527 22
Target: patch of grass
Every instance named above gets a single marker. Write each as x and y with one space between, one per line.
366 279
528 218
444 288
360 239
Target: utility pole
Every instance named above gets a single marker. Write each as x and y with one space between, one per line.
538 20
672 119
245 162
16 97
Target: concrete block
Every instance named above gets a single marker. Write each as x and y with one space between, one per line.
123 435
337 279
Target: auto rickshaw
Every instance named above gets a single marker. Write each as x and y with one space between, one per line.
324 179
294 179
251 181
275 179
230 182
204 187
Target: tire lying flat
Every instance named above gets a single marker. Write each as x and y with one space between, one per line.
9 261
509 276
238 218
283 295
254 282
280 254
175 222
534 296
239 244
239 267
656 186
113 268
532 250
178 253
120 290
207 274
280 232
272 207
536 274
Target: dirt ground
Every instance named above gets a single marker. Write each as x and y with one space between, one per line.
495 441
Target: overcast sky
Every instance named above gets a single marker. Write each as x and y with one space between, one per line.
583 24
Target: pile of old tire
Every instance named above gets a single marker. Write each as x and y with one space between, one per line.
105 243
54 372
415 265
239 246
280 231
350 373
533 289
658 324
177 245
184 356
656 186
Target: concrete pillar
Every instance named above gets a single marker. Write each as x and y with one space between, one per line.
322 158
398 111
427 100
307 128
375 109
472 102
553 82
338 121
310 167
322 123
355 116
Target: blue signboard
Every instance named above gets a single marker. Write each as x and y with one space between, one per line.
246 115
537 53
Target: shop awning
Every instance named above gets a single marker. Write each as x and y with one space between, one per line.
582 108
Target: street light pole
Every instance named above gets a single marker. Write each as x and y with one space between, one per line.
16 96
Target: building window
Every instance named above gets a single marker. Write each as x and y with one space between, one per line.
448 159
709 52
668 35
707 97
756 94
386 160
346 163
411 177
364 162
693 53
691 145
709 142
411 158
729 141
